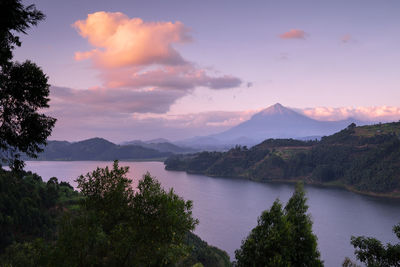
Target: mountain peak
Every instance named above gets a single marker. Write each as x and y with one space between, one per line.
277 105
276 109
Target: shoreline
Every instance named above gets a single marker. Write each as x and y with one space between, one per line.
326 185
105 160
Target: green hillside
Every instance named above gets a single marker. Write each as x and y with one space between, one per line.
364 159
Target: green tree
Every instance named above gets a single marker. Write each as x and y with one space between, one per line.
282 237
23 89
117 226
373 253
303 242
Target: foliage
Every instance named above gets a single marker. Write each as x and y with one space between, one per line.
349 263
119 227
23 90
203 254
373 253
15 18
42 225
282 237
28 253
363 158
29 207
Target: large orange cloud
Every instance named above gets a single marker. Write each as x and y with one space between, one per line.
121 41
136 60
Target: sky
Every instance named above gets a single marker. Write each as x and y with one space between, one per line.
126 70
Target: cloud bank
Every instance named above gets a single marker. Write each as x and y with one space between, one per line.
372 114
85 114
109 114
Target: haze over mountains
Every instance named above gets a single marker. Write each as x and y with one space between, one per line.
275 121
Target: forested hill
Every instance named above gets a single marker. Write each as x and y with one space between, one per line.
97 149
365 159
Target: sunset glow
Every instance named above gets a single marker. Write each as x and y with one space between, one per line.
129 70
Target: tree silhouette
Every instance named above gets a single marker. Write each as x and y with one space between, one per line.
24 89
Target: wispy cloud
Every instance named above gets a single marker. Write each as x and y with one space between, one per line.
87 113
294 34
347 38
377 113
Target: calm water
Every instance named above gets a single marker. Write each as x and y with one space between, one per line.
228 208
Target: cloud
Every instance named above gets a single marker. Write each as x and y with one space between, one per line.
118 100
184 77
347 38
121 41
373 114
85 114
137 62
293 34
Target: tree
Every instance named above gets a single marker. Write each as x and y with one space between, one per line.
303 241
282 237
373 253
14 17
117 226
24 90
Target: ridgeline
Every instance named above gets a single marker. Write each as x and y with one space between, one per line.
364 159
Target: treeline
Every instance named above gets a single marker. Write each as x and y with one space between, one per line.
106 224
364 158
30 207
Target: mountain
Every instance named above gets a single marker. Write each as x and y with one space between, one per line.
364 159
162 145
97 149
275 121
157 140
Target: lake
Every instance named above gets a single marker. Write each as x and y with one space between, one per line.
228 208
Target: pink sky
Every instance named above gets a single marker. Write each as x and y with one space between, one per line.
129 71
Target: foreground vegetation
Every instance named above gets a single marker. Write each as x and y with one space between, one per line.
364 159
283 237
106 224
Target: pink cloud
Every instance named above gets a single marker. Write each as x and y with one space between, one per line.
379 113
121 41
136 61
293 34
185 77
119 100
346 38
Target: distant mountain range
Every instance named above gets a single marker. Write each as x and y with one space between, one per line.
275 121
98 149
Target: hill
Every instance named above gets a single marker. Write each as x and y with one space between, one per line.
364 159
275 121
97 149
162 145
